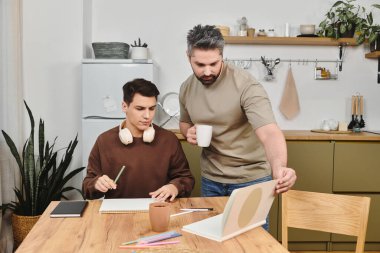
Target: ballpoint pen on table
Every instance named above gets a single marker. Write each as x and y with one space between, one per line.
199 209
118 175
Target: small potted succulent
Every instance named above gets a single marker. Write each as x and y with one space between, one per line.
139 50
343 20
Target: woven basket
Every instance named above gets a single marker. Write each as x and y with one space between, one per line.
110 50
21 226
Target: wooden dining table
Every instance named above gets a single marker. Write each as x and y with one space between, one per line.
100 232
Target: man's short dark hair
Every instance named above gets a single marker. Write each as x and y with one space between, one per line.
204 37
141 86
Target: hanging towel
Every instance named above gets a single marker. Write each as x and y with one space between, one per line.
290 105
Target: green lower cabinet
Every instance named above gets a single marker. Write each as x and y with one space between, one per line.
273 218
357 172
193 154
313 162
357 167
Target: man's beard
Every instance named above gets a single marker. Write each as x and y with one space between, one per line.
207 80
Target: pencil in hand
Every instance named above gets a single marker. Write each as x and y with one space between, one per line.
118 175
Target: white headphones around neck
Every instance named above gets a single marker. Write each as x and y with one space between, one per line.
126 136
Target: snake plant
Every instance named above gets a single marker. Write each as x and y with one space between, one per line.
42 178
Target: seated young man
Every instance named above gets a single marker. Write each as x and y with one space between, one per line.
155 164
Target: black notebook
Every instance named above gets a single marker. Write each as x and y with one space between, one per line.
69 209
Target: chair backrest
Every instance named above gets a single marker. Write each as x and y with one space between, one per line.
333 213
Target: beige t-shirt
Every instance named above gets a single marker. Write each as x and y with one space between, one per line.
235 105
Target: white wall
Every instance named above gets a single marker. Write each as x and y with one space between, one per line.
52 53
164 25
54 34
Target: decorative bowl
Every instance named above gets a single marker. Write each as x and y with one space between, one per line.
307 29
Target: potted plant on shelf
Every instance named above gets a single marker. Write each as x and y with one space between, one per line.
371 32
139 50
343 20
42 179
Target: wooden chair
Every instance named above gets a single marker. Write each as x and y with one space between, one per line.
333 213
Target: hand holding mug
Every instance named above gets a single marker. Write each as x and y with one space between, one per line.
191 136
203 134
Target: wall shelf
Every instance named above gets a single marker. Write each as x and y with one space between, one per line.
302 41
373 55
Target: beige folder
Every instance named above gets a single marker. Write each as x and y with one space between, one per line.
246 209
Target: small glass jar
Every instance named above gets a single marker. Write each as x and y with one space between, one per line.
271 33
261 33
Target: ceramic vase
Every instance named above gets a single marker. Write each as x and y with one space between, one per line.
139 53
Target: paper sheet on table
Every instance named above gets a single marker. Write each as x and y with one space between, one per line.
125 205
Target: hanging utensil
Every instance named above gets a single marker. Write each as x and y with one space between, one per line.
351 124
356 127
361 123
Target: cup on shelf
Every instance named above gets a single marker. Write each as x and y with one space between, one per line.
251 32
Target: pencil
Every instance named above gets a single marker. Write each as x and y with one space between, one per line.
176 214
200 209
148 245
118 175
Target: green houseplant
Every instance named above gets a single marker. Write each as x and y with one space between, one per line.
42 178
343 19
371 31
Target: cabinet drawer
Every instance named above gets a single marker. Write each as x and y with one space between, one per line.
357 167
313 163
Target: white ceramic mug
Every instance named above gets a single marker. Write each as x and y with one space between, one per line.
204 134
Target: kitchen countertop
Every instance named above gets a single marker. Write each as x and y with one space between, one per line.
307 135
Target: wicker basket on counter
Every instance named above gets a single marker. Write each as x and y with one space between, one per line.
110 50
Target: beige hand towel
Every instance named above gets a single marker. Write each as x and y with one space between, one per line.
290 105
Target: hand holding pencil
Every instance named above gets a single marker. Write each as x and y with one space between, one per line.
104 183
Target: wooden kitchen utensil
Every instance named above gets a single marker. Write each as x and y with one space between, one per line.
356 127
351 124
361 123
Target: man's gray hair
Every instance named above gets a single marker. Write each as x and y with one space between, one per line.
204 37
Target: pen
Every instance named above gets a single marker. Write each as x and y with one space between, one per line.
118 175
148 245
201 209
176 214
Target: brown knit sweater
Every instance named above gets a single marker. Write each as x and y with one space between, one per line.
149 166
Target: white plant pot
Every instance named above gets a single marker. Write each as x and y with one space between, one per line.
139 53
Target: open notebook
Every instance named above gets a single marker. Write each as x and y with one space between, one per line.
246 208
125 205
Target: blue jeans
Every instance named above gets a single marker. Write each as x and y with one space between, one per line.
211 188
